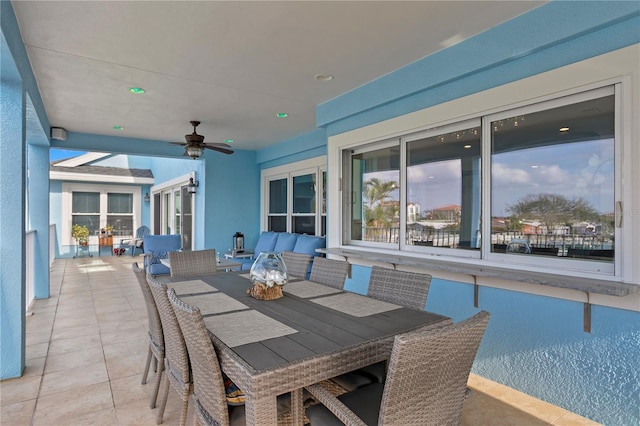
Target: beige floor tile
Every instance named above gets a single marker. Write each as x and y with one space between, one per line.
66 380
138 413
74 359
98 418
75 344
571 419
34 337
75 321
120 367
535 407
38 350
128 389
34 367
77 331
134 333
19 390
483 410
57 408
17 414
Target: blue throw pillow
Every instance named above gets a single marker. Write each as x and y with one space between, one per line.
286 242
266 242
308 244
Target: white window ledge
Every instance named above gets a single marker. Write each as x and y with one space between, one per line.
588 285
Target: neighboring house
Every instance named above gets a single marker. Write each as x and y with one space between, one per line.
85 193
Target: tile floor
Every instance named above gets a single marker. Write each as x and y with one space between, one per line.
87 344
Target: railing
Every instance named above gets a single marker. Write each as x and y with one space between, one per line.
30 290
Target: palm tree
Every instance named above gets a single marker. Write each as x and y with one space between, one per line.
377 213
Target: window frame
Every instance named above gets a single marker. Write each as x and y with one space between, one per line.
317 166
67 208
605 270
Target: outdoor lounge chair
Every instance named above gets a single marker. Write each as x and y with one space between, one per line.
135 243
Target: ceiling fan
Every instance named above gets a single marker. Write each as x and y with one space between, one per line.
195 144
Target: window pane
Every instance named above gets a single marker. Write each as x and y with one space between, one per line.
278 196
119 203
92 222
277 223
304 225
553 182
85 202
444 190
304 193
122 225
375 211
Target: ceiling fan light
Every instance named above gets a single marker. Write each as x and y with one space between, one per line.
194 151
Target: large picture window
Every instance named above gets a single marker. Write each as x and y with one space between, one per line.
538 182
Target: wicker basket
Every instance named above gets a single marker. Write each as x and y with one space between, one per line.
262 292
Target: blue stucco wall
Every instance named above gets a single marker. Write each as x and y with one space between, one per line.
536 344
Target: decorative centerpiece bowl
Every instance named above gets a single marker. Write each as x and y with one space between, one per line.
269 274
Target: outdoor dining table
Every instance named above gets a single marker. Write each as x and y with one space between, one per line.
312 333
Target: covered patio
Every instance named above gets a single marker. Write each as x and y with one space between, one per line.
87 344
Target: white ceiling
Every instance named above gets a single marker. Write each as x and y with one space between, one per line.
231 65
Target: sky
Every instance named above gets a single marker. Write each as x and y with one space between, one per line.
59 154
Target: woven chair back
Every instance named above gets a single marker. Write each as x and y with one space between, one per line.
155 325
297 263
175 348
211 406
408 289
193 262
428 372
329 272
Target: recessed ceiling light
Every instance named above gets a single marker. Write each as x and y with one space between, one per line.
118 128
564 129
534 166
228 141
324 77
282 115
467 146
136 90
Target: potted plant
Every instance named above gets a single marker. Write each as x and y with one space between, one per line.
80 233
108 229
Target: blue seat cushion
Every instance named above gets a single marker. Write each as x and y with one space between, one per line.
158 269
266 242
286 242
308 244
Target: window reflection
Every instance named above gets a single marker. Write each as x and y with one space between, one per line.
443 190
552 177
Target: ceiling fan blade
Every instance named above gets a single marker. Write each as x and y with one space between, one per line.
179 143
218 144
222 150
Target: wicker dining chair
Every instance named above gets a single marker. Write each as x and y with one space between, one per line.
408 289
156 336
297 263
426 383
329 272
177 368
193 262
209 393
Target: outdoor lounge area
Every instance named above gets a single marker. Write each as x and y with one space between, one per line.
87 344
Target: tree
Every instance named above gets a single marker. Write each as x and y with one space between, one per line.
377 191
553 209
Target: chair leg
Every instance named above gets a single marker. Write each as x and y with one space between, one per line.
163 403
154 397
185 407
146 367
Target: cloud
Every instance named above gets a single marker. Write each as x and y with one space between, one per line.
502 174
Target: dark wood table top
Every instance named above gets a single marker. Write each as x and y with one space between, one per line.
323 342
